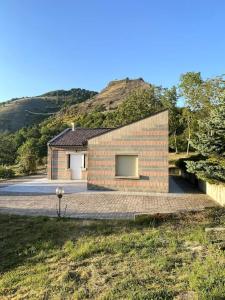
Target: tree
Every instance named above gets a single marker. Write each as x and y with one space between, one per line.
210 142
47 131
139 104
191 85
200 97
169 100
190 121
27 158
8 149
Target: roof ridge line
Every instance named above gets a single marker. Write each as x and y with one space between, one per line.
96 128
115 128
57 136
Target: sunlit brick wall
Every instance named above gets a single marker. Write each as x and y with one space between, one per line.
148 138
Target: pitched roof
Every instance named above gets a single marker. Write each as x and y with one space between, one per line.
80 136
76 137
115 128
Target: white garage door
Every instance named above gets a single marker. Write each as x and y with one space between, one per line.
76 164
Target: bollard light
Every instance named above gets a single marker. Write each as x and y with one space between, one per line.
59 193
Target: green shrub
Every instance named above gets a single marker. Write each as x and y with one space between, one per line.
28 157
6 172
209 170
181 163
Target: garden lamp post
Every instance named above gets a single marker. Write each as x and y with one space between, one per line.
59 193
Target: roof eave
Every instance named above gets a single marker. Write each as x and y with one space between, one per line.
112 129
57 136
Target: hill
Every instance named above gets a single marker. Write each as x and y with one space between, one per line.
107 100
65 105
114 93
22 112
121 102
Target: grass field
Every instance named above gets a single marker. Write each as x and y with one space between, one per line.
166 257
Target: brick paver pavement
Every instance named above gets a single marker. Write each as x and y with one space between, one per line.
104 205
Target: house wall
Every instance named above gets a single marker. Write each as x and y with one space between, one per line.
148 138
57 163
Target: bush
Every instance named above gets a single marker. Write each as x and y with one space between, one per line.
6 172
181 163
208 170
28 157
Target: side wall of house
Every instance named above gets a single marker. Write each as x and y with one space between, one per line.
49 164
57 163
147 138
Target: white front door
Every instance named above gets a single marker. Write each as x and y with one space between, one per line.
76 164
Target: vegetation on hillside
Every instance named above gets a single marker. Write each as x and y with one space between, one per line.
166 257
24 112
139 104
193 127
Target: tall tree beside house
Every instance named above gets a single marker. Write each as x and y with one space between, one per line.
210 142
191 85
169 99
27 158
191 90
188 117
8 147
200 97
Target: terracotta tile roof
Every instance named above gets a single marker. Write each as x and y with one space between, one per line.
78 137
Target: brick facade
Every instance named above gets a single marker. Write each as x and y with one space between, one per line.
147 138
57 163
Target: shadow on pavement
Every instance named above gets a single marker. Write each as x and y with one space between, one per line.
179 185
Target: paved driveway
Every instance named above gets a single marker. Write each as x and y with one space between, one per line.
36 197
40 185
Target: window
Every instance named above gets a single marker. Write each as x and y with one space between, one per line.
84 161
68 161
127 165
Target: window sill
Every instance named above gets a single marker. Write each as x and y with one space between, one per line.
128 177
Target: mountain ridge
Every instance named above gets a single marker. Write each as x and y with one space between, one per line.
26 111
65 104
108 98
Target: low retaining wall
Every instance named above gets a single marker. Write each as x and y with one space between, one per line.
215 191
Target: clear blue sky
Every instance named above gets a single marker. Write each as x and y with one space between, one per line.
63 44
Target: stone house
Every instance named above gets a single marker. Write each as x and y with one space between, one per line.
133 157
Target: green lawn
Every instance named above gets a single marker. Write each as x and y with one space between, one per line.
161 258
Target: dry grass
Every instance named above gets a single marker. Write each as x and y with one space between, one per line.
152 258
